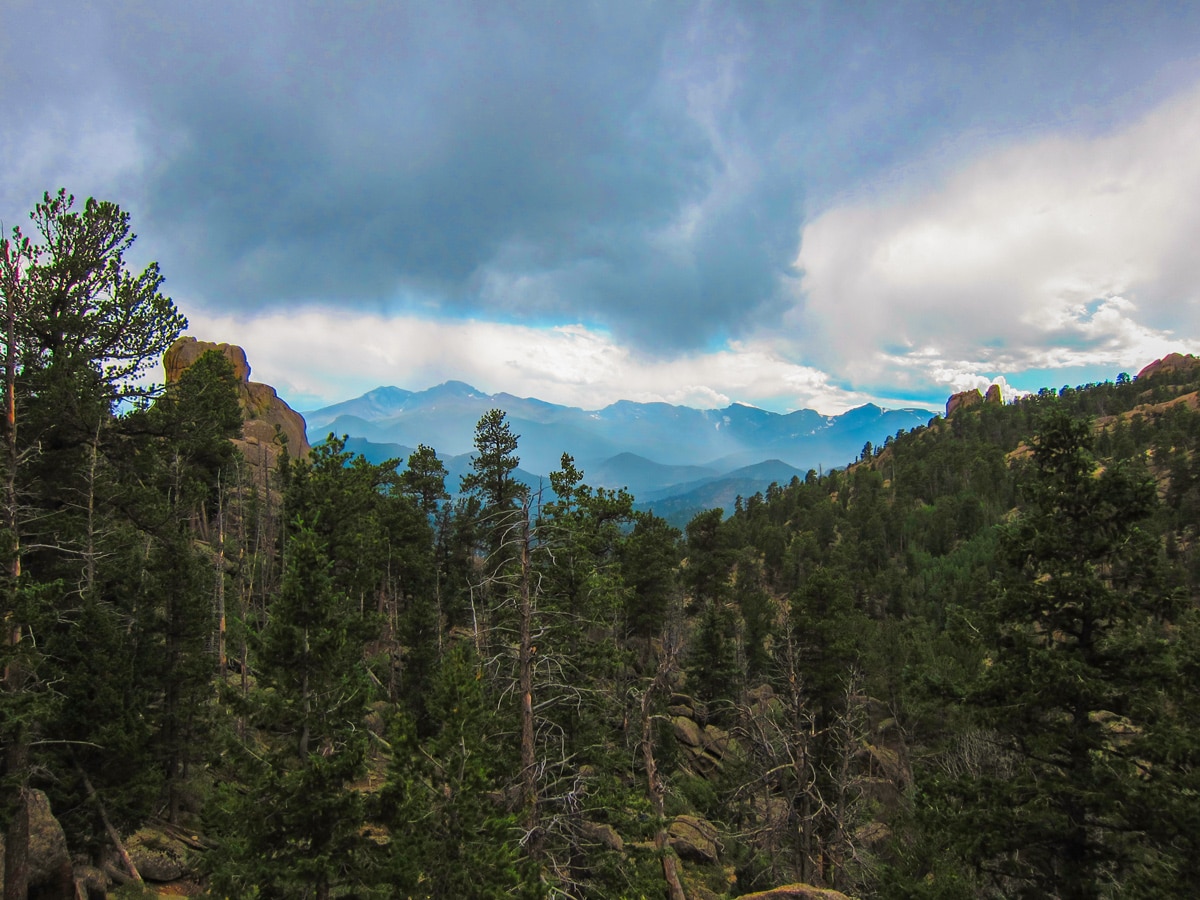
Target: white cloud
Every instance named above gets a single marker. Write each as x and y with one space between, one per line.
318 356
1060 251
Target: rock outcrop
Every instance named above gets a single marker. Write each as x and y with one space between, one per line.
705 746
604 835
797 892
694 838
1172 362
157 856
973 398
49 862
181 355
963 400
269 422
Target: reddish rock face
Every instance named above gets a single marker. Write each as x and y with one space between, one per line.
994 395
185 351
267 418
1172 362
963 400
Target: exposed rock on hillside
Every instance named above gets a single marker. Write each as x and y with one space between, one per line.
181 355
797 892
269 421
1172 362
49 862
694 838
963 400
971 398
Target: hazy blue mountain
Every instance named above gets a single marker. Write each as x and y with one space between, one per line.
657 450
642 476
761 474
377 453
371 406
678 503
456 466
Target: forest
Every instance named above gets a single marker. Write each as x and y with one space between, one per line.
964 666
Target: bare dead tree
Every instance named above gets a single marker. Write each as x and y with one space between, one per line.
506 590
660 685
219 565
778 734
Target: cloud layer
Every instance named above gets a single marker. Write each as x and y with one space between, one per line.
1048 253
904 197
304 355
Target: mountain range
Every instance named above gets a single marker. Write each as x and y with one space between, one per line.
675 459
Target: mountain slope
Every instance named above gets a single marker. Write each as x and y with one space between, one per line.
621 444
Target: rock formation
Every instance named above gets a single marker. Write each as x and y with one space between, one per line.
49 862
797 892
269 421
963 400
1172 362
972 398
694 838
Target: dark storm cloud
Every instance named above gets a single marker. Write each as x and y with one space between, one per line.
561 161
434 154
643 166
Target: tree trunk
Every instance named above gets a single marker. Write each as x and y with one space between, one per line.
222 658
16 845
654 785
16 841
306 705
528 753
113 835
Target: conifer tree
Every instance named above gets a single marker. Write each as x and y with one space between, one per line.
450 837
78 329
296 830
1077 642
492 467
425 479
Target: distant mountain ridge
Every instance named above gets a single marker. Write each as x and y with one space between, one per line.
651 448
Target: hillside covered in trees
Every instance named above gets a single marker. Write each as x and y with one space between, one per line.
965 666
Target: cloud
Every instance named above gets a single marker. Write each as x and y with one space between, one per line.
506 163
304 355
641 168
1053 252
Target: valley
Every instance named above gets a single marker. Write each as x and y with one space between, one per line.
676 460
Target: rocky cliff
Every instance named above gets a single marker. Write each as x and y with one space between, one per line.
269 422
1172 362
971 398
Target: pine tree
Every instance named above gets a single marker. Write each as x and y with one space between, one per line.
492 467
450 835
296 831
425 479
1077 640
78 329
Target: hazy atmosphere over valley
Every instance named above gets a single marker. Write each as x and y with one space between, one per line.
793 205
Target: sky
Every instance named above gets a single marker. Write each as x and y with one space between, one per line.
788 204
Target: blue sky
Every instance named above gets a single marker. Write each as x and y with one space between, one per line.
786 204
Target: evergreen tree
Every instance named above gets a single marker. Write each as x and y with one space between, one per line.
1078 640
425 479
450 836
296 830
78 329
492 467
649 559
